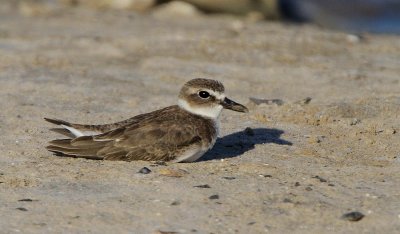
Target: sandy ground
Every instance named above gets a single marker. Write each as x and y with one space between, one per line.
301 167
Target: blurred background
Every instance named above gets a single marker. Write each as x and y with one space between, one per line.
358 16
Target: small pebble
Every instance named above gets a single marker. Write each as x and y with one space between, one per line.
308 189
259 101
304 101
320 179
307 100
213 197
22 209
229 177
297 184
175 203
353 216
144 170
26 200
202 186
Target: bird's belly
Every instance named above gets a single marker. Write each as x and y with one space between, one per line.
190 155
193 154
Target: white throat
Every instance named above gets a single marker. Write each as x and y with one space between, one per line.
211 112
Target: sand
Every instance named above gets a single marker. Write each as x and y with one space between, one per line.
302 164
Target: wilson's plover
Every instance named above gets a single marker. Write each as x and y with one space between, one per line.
180 133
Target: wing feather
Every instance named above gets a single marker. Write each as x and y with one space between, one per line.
93 129
155 140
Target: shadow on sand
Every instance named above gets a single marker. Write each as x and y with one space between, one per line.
238 143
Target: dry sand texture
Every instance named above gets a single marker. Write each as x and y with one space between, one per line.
302 165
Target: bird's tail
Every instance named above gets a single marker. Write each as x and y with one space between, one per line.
81 147
73 130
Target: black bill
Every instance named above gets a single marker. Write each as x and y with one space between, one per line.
231 105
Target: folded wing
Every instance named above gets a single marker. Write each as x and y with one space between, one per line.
158 140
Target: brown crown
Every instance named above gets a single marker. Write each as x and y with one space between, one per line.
205 83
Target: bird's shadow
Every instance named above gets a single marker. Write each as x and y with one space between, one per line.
238 143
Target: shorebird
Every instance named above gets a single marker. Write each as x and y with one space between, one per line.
178 133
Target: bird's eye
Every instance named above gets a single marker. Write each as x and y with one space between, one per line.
204 94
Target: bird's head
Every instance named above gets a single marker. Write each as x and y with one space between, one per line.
207 98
